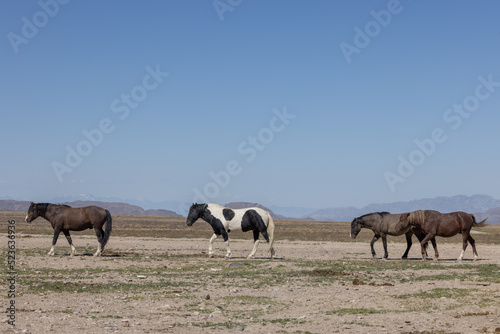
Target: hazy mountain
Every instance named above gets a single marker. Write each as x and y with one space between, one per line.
244 205
472 204
493 216
116 208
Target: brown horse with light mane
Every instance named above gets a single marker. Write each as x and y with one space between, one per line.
434 223
64 218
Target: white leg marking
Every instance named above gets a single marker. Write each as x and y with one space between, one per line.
254 250
51 252
228 254
461 256
98 252
210 248
73 250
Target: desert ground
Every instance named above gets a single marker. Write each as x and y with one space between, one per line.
155 277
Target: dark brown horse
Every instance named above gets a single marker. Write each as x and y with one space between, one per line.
434 223
65 218
383 224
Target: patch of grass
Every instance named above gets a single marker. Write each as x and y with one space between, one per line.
439 293
286 321
344 311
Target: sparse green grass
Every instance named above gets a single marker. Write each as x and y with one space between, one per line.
439 293
344 311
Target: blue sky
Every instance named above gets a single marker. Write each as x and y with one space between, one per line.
286 103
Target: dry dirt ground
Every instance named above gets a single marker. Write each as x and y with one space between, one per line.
160 285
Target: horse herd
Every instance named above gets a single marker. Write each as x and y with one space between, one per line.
425 224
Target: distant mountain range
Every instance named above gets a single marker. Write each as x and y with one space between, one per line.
476 204
480 205
116 208
244 205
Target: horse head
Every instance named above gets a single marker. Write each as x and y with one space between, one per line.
355 227
404 221
195 212
32 213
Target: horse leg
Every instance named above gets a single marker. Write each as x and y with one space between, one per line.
473 244
266 236
464 245
375 238
210 249
54 240
465 236
100 238
226 241
384 242
420 236
408 244
255 244
434 245
68 237
423 243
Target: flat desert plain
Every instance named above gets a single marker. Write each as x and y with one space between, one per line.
156 277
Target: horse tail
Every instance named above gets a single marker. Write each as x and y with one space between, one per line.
107 231
270 232
480 224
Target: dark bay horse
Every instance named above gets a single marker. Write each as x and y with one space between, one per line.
64 218
383 224
434 223
223 220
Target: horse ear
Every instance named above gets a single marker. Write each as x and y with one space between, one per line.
404 216
32 203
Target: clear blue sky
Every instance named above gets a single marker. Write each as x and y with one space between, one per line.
289 103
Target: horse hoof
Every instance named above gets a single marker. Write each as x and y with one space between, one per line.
210 255
249 257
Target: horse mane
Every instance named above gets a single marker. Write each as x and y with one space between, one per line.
41 208
381 214
417 217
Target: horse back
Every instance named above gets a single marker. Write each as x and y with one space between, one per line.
388 225
449 224
78 219
383 223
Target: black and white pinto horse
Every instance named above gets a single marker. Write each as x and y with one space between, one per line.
224 220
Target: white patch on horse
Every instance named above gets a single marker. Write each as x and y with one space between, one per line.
228 254
51 252
98 252
235 223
